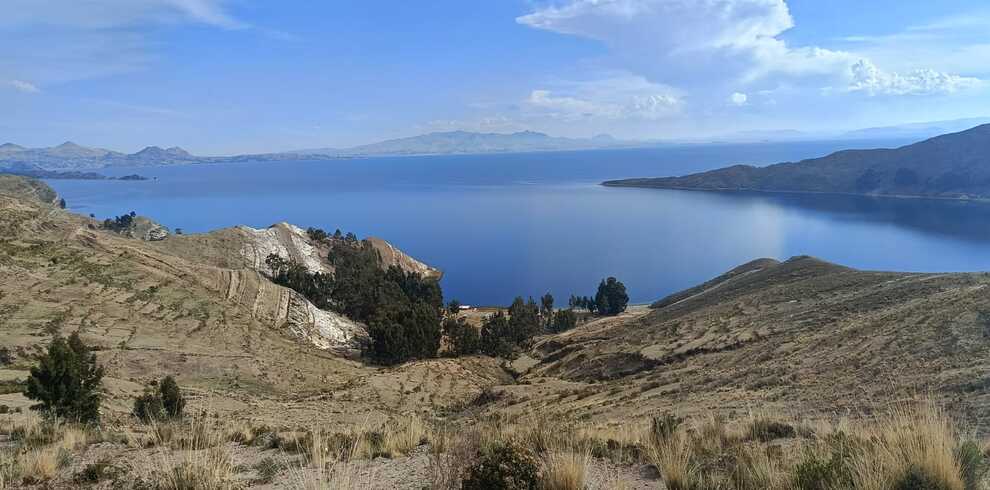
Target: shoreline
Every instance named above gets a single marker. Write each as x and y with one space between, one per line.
766 191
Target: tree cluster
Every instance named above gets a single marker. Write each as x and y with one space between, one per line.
120 223
611 298
403 310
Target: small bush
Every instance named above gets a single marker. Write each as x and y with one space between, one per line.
503 466
96 472
164 402
268 469
916 478
971 461
148 407
764 430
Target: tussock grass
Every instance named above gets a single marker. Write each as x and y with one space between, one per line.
39 465
188 455
566 468
915 447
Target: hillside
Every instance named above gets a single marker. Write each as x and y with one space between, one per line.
800 336
950 166
802 340
199 307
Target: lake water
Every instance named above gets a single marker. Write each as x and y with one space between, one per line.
524 224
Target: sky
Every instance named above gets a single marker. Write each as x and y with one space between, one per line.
244 76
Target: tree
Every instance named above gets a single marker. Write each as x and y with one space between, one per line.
462 339
496 336
563 321
454 307
67 381
524 320
546 303
611 298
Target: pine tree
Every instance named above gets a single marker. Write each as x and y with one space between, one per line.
67 381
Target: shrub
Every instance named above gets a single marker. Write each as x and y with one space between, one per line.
172 400
6 358
767 430
268 469
164 402
96 472
503 466
971 461
148 407
67 381
916 478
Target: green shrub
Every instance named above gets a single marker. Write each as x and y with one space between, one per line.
67 381
165 401
971 460
818 472
503 467
918 479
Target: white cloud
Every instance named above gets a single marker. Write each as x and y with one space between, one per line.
703 45
867 78
621 96
26 87
738 99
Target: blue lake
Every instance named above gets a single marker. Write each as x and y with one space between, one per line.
524 224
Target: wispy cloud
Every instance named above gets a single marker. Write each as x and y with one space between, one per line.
621 96
22 86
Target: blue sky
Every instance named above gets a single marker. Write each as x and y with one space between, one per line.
235 76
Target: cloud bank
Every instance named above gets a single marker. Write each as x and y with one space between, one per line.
713 51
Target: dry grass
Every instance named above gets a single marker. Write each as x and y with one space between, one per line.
916 444
912 447
566 468
188 455
39 465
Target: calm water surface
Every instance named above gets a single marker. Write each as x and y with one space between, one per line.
524 224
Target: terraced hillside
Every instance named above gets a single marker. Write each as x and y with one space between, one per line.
800 336
193 305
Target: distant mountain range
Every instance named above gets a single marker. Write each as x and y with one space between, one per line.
954 165
463 142
72 157
69 156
